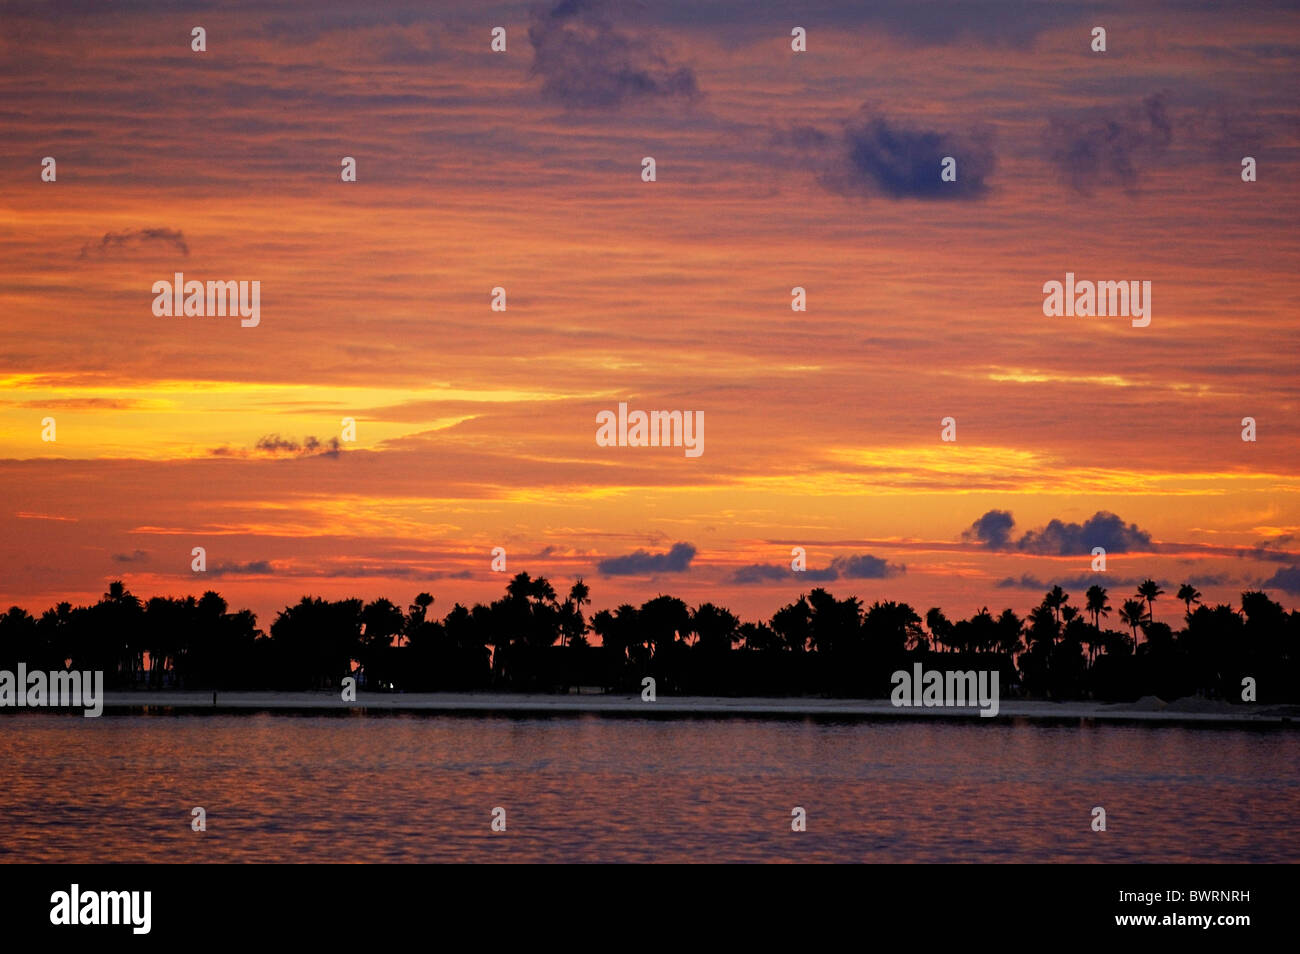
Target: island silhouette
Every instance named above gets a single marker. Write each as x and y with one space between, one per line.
531 640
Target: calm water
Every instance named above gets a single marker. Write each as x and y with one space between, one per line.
422 788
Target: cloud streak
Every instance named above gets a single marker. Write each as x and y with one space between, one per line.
850 567
114 243
275 446
1109 152
585 62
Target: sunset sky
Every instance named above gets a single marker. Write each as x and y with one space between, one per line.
775 169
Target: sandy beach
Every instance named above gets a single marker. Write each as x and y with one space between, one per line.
1148 709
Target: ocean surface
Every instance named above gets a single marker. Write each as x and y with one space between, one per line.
419 788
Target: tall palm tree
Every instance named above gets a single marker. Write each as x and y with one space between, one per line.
416 613
1149 590
939 625
1055 599
1098 605
1132 614
1009 627
715 629
1189 595
579 596
123 610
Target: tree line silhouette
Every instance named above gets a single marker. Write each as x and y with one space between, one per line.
532 640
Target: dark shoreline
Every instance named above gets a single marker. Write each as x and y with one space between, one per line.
1146 711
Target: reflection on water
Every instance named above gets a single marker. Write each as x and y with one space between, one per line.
422 788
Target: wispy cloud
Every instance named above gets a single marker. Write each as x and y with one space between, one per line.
1108 152
848 567
251 568
133 239
1079 581
273 445
585 61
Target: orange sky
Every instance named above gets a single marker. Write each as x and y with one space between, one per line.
521 169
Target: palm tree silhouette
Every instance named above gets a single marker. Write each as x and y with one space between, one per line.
418 611
197 642
939 626
793 624
1009 627
579 595
715 628
122 612
1149 590
1132 613
1055 600
1098 605
1189 595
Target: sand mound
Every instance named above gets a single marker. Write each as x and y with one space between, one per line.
1145 704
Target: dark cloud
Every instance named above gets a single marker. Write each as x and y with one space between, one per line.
383 571
993 530
1080 581
852 567
676 560
1274 549
885 158
828 575
1209 579
585 61
273 445
1108 152
1286 579
118 242
779 572
865 567
1059 538
900 163
136 556
252 568
762 573
1102 529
